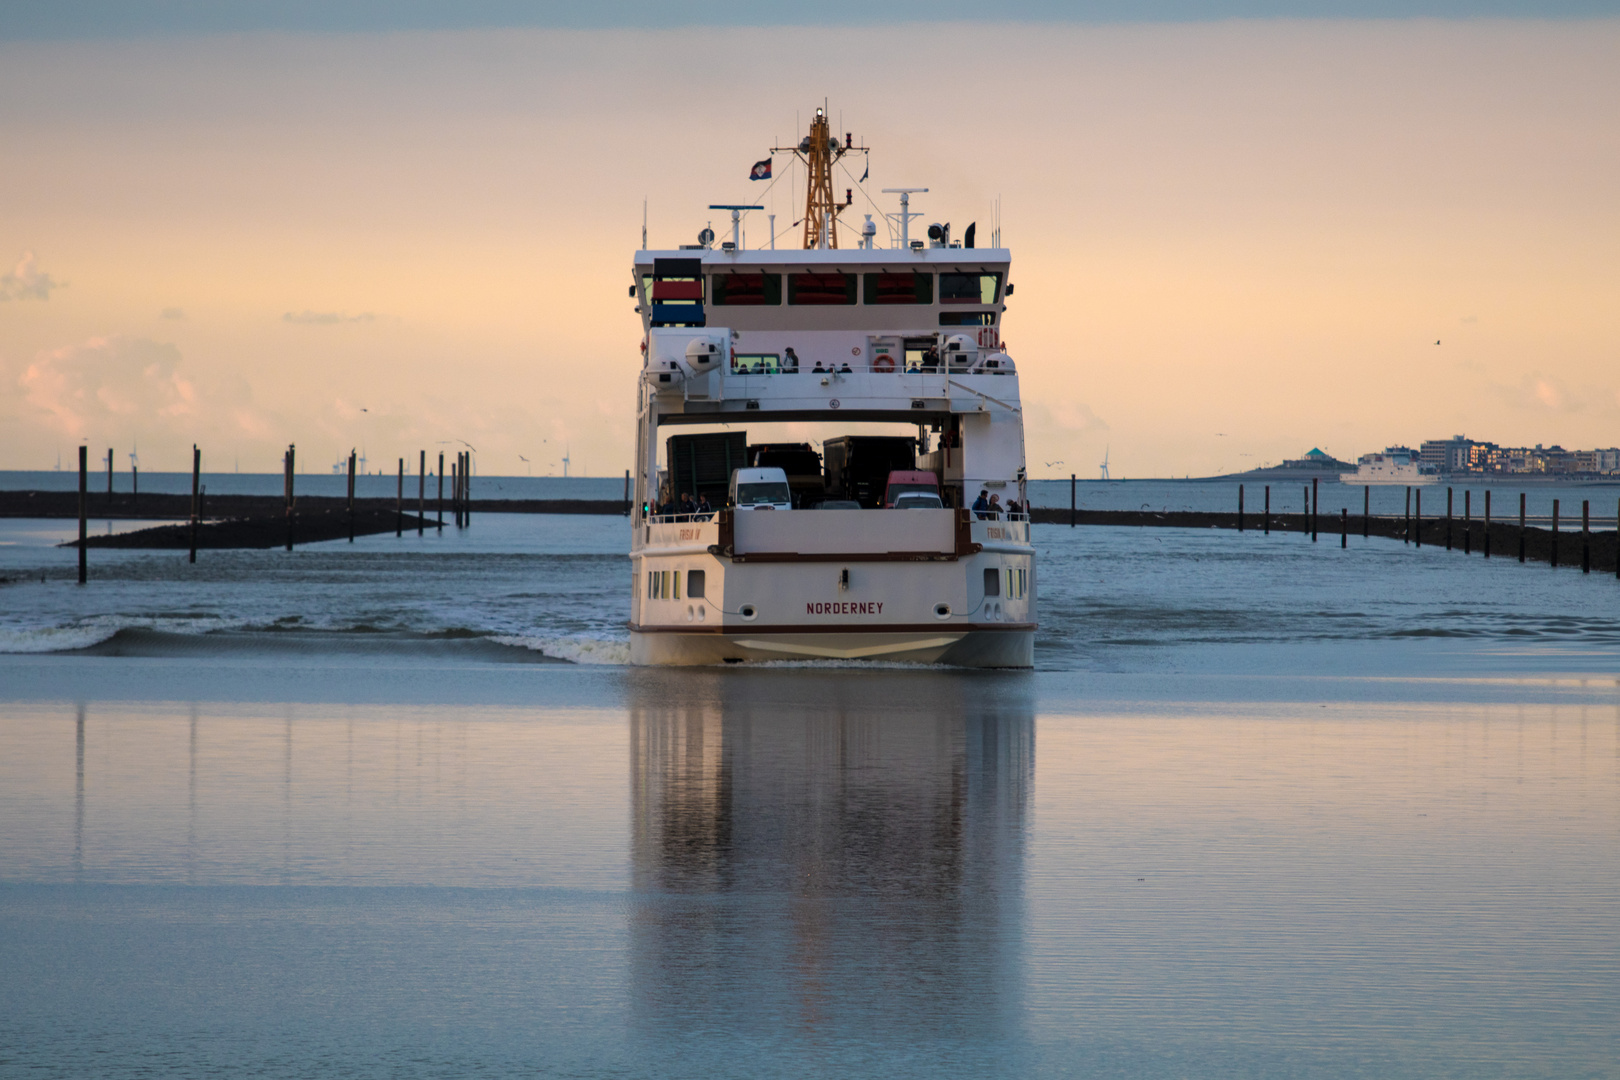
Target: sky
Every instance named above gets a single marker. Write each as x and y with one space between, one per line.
1237 232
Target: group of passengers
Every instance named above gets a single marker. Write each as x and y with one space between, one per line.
990 509
986 507
683 507
790 365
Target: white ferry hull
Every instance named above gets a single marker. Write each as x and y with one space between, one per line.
978 647
917 586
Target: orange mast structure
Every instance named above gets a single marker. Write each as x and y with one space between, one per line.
818 151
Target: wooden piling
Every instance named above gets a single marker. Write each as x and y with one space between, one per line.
292 451
466 488
1316 505
134 484
1073 504
109 475
1555 535
1487 544
1305 515
1468 522
1586 536
1521 526
1344 527
399 502
1448 519
1417 519
1407 533
84 508
351 495
196 497
421 492
440 525
1267 517
1240 508
455 493
1366 508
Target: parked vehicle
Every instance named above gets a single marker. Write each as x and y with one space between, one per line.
911 482
760 489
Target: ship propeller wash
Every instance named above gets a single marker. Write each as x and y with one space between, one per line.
830 446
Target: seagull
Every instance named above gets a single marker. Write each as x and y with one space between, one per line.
1049 464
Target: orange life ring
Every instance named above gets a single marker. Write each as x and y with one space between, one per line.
884 362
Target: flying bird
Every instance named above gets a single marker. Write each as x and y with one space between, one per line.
1049 464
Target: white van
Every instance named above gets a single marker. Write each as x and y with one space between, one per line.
760 489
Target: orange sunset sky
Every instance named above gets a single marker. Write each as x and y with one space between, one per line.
1232 240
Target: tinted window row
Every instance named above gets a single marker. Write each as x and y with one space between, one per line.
833 288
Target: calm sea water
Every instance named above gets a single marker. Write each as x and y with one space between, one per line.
397 808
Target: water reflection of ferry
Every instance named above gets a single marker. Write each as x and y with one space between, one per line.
1395 465
829 850
826 343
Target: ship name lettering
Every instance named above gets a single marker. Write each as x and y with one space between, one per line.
844 607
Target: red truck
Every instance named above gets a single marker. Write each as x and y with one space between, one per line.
912 489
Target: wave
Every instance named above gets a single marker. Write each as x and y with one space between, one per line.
575 650
166 637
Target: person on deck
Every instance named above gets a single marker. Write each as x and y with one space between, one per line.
687 507
981 505
703 506
995 508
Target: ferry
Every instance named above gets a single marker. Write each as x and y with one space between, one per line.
1397 465
829 444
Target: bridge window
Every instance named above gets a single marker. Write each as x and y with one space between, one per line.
821 289
695 584
746 290
967 318
756 363
977 288
912 288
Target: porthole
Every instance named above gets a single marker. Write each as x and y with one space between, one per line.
749 612
942 611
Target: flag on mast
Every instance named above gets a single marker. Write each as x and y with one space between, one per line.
761 170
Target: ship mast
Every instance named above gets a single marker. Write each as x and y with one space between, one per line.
819 150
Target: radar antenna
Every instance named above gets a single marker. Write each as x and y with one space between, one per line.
819 150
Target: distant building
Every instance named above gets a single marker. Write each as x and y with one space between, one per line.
1320 461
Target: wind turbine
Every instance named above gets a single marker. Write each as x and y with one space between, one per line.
565 460
1105 475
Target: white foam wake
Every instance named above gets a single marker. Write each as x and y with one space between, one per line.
576 650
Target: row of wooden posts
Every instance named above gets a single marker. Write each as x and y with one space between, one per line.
460 496
1413 520
1412 533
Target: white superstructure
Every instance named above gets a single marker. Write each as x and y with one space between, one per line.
1393 466
754 358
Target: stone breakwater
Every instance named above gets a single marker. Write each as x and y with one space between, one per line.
65 504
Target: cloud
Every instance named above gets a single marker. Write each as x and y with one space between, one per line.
325 318
124 384
27 283
172 313
1073 417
